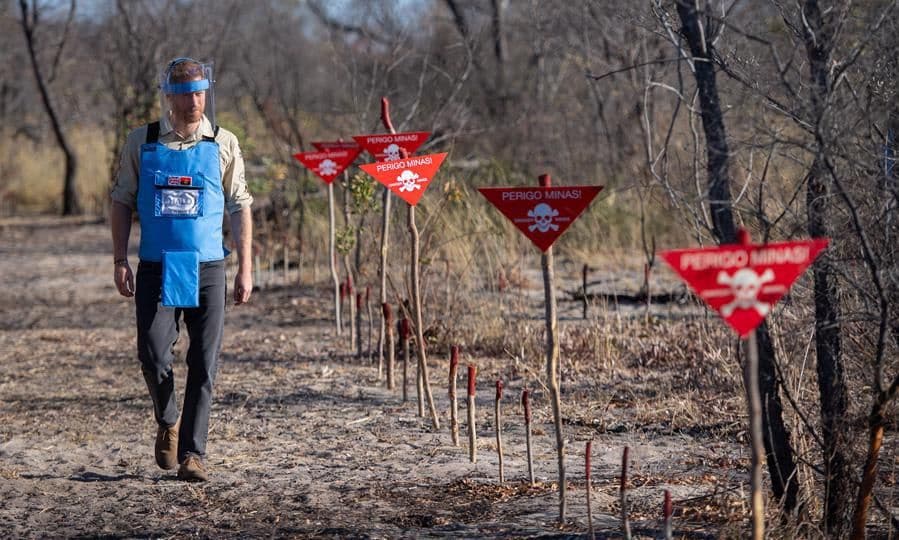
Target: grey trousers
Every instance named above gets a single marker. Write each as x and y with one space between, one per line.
157 333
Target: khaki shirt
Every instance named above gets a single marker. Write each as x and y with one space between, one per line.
234 183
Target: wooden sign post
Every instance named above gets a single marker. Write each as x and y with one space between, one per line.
327 165
543 214
743 283
409 177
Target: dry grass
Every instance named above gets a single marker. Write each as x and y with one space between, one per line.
34 173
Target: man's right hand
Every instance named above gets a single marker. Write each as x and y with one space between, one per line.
124 279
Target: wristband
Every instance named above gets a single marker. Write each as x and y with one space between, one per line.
120 262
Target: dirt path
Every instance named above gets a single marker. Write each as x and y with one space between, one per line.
305 441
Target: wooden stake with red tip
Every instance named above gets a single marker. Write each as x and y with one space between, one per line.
584 273
498 419
405 332
647 280
358 325
370 328
625 521
388 318
454 405
667 510
472 428
526 404
286 261
587 453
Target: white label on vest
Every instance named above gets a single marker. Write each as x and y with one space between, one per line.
180 202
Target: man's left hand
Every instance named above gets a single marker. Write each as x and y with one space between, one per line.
243 287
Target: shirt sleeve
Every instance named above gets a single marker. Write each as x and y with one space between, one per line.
124 190
234 182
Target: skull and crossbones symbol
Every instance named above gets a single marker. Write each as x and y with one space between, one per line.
746 285
392 152
327 168
409 181
543 215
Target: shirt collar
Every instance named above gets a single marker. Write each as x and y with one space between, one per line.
205 129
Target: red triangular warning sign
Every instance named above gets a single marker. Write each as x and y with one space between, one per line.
390 146
408 178
541 213
743 283
325 146
327 165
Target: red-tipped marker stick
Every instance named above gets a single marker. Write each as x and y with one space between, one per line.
625 522
667 510
358 324
647 279
472 428
587 453
388 319
585 271
385 115
371 326
525 402
454 405
405 331
498 419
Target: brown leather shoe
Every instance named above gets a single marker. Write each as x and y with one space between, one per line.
167 446
192 469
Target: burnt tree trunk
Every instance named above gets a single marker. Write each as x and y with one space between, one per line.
828 346
71 205
779 452
499 52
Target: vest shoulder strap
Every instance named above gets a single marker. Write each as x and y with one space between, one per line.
152 132
215 132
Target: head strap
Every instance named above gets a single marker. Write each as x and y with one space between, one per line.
186 87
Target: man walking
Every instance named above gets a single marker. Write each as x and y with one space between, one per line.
181 174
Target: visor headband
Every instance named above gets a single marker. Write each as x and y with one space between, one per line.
186 87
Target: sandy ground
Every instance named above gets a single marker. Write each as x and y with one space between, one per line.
305 441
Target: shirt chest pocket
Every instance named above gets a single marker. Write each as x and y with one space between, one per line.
178 195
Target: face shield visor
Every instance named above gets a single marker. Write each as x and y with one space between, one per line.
187 91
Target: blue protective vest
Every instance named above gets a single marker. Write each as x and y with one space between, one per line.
180 200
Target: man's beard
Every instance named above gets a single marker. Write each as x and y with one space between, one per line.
192 116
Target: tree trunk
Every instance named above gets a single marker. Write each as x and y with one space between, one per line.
499 52
71 204
828 345
776 437
723 226
869 474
